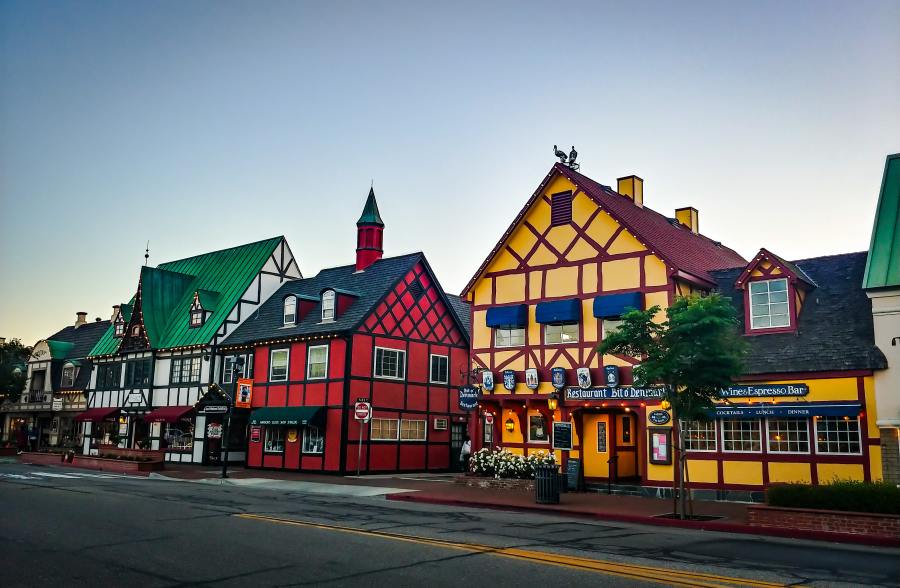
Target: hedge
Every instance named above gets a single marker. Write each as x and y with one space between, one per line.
849 495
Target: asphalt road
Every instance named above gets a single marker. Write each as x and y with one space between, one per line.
63 527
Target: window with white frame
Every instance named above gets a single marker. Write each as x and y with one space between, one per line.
278 365
119 328
327 305
290 310
741 436
390 363
313 440
384 429
317 362
699 435
274 440
69 373
788 435
179 435
837 435
412 430
509 337
769 304
229 371
610 326
185 370
439 369
537 429
560 334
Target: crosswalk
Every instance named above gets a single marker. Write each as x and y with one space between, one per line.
53 475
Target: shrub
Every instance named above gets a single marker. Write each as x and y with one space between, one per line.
502 463
849 495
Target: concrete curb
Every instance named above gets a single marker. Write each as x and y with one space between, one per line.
641 520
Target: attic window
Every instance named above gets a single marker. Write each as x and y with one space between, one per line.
769 306
327 305
119 328
136 331
560 209
290 310
69 373
416 290
197 317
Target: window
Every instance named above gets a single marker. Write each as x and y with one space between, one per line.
488 436
274 440
514 337
384 430
328 305
290 310
788 435
439 369
837 435
228 368
390 363
537 429
317 362
560 334
610 326
561 208
741 436
37 380
136 331
179 435
278 368
313 441
137 373
699 435
769 304
412 430
69 373
109 376
196 318
119 328
185 370
416 290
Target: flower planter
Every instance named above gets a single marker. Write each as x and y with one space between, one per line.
113 451
8 451
33 457
825 521
116 465
496 484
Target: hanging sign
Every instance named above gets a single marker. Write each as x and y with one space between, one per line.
244 393
57 404
562 435
584 377
558 377
255 434
468 397
487 380
659 417
611 375
489 419
762 390
292 436
613 393
509 380
531 378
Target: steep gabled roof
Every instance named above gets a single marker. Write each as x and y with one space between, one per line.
791 270
73 345
883 263
370 214
463 312
686 251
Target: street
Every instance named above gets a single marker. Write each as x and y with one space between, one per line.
65 527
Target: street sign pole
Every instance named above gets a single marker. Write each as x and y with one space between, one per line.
362 412
238 364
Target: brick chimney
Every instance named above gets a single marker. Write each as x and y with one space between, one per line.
80 319
632 187
689 217
116 308
369 234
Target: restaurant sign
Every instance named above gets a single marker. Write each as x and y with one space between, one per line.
626 393
763 390
786 410
468 398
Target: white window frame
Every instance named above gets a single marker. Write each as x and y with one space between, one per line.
329 304
401 364
607 326
177 370
509 337
280 431
768 293
287 364
424 424
809 441
689 426
309 364
562 326
62 382
859 434
722 439
196 317
119 329
547 429
320 437
431 378
284 313
372 429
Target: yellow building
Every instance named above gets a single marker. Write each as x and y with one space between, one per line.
577 256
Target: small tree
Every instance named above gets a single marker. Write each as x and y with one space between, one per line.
13 369
696 352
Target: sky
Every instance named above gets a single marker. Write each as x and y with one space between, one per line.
198 126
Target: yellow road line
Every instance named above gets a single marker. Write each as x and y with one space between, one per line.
647 573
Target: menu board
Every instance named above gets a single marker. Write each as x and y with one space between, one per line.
562 436
573 474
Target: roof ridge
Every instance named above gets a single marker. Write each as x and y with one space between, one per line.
159 266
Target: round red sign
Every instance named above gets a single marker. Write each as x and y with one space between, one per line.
362 411
489 419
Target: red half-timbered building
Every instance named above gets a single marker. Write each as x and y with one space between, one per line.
380 330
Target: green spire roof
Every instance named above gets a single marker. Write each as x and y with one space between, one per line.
883 264
370 214
59 349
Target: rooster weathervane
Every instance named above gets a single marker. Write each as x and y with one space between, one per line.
568 160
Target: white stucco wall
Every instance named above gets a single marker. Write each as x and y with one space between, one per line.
886 315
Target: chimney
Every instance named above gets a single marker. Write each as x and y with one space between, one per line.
632 187
369 230
116 308
2 340
81 318
689 217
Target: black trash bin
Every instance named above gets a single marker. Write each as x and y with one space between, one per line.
546 484
563 482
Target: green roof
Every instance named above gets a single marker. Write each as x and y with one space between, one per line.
883 264
370 214
167 292
59 349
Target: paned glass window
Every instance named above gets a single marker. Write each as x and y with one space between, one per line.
739 435
769 304
788 435
278 370
390 363
412 430
137 373
317 362
274 440
560 334
120 329
514 337
837 435
328 305
699 435
313 441
69 373
290 310
108 376
384 429
196 318
228 369
185 370
610 326
179 435
439 369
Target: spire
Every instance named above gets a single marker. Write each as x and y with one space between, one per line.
370 214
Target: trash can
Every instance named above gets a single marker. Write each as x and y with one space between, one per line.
563 482
546 484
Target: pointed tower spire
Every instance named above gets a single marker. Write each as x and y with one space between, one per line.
369 234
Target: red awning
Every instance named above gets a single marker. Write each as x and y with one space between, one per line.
167 414
98 414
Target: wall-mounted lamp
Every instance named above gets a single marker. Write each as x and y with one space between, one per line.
510 425
553 401
665 404
122 420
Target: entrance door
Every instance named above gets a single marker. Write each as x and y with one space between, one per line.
596 445
626 445
457 437
141 437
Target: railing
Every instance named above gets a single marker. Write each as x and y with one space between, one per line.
36 396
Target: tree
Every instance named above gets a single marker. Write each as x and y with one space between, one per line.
13 369
693 354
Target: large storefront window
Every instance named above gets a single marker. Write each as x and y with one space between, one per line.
837 435
313 441
788 435
699 435
741 436
274 440
179 435
537 429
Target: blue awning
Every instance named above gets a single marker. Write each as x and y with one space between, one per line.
615 305
507 317
558 312
797 410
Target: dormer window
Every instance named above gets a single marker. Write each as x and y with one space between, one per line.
136 331
769 306
327 305
69 373
196 318
197 314
290 310
119 327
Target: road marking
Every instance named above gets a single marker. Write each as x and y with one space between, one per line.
648 573
49 475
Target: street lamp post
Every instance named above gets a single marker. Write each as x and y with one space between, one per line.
236 366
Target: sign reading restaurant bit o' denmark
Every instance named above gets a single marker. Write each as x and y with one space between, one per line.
762 390
613 393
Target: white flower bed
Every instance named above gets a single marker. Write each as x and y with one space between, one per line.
502 463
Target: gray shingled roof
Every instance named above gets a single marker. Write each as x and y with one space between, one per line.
835 331
83 340
463 313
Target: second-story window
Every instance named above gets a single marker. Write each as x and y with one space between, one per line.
119 328
439 369
769 306
290 310
328 305
278 365
560 334
69 373
390 363
137 373
317 362
509 337
186 370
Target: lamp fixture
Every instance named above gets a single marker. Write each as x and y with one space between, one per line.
553 401
665 404
510 425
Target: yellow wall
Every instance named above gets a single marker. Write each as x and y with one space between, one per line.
703 471
742 472
789 472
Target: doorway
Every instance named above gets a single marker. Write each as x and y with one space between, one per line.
457 437
610 445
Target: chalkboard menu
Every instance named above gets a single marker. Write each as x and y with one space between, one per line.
562 436
573 474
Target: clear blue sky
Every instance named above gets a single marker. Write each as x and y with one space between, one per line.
202 125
